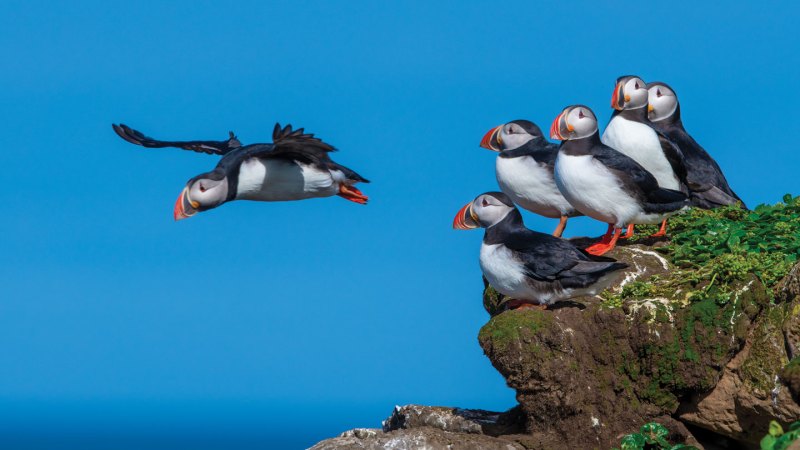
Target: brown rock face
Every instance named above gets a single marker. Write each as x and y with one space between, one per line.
762 381
606 371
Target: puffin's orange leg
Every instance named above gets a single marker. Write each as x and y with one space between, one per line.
628 233
348 192
562 224
661 231
525 306
606 244
522 305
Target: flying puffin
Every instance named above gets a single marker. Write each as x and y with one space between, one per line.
629 131
531 268
708 187
296 166
604 183
524 170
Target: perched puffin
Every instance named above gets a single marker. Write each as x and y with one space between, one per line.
296 166
531 268
606 184
629 131
524 170
708 187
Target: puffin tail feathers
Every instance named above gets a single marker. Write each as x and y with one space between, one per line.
715 197
587 273
665 201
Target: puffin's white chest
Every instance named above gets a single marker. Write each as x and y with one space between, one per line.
279 180
594 190
641 143
503 272
531 185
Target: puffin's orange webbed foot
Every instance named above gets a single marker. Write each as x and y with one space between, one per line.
348 192
523 305
606 244
628 233
661 231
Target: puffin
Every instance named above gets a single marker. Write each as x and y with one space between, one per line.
295 166
708 187
629 131
524 170
606 184
534 269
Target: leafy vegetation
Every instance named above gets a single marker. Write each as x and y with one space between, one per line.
715 251
777 439
652 436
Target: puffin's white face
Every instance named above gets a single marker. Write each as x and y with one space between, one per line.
662 102
506 137
629 93
575 122
200 194
513 136
485 211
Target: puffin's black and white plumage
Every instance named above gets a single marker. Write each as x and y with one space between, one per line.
524 170
604 183
708 187
295 166
528 266
630 132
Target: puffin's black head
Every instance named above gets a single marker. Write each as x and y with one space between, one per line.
486 210
574 122
203 192
630 92
511 135
662 101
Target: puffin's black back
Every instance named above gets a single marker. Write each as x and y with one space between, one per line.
703 172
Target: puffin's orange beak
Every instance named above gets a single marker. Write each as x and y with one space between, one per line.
491 140
184 207
464 219
617 98
555 128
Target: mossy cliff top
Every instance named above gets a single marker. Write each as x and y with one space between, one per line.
700 328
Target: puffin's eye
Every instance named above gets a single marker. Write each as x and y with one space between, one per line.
484 202
658 93
580 114
202 188
636 85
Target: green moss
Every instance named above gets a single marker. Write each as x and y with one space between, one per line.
505 328
492 300
660 397
767 355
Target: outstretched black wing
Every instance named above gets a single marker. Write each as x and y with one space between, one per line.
287 140
293 144
209 147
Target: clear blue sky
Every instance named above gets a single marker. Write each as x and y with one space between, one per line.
298 320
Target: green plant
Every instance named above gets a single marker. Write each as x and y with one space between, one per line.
777 439
652 436
729 243
714 253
